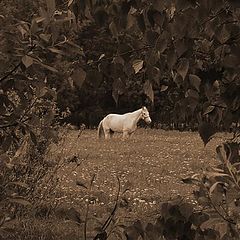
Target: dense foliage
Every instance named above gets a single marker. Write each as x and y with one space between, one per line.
182 55
180 58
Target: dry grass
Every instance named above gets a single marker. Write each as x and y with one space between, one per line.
150 164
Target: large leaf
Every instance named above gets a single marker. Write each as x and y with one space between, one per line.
181 47
151 37
186 210
179 27
141 22
79 76
153 73
73 215
152 232
163 88
192 94
183 68
195 81
159 18
198 218
27 61
231 61
148 90
178 80
151 57
210 29
221 154
214 186
131 18
101 17
134 231
161 44
209 109
51 6
159 5
206 131
183 4
131 233
137 65
125 50
223 35
150 14
171 58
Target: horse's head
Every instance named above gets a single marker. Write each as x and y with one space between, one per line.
145 115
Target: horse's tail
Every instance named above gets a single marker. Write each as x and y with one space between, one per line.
100 130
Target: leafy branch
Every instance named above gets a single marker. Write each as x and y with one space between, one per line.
17 66
121 54
14 123
217 210
21 119
213 16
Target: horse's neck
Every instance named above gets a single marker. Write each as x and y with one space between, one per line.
137 115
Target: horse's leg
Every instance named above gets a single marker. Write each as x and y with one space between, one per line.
125 134
107 133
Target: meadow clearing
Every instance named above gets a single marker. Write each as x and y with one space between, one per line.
150 165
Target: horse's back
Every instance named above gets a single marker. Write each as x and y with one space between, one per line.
114 122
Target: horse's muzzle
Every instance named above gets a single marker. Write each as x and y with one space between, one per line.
148 121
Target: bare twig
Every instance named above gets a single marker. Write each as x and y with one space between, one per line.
121 54
28 109
14 123
230 167
219 106
21 119
11 72
109 219
213 16
220 214
87 210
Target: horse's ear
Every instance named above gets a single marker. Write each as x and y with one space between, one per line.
143 107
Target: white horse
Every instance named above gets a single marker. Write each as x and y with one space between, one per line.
123 123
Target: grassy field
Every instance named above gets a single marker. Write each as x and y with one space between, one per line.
151 165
